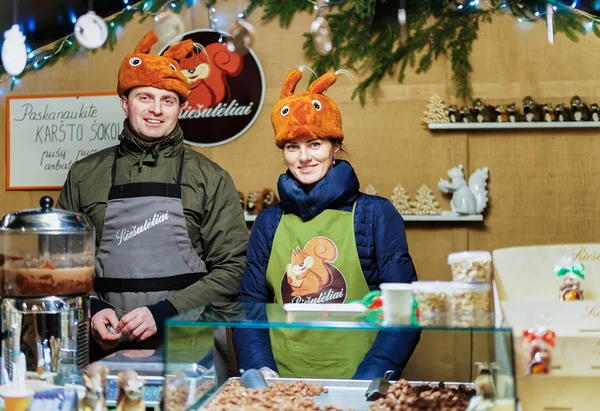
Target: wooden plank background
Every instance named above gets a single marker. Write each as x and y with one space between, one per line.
542 182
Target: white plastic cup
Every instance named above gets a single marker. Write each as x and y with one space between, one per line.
397 302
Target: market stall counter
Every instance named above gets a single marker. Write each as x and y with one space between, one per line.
189 342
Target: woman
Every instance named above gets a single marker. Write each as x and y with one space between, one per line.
324 243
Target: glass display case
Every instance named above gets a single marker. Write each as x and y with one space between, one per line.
200 344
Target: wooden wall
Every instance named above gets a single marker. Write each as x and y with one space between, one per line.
542 183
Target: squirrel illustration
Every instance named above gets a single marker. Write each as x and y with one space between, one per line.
309 271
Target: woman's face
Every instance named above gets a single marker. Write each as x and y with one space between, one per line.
309 160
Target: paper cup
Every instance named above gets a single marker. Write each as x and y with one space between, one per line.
16 400
397 302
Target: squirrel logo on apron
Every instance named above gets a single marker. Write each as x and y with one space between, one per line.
311 277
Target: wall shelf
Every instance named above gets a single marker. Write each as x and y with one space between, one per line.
445 216
513 126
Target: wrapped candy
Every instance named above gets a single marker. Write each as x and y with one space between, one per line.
570 277
538 344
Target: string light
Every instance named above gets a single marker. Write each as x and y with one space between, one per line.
41 57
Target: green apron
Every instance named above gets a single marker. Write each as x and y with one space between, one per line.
317 262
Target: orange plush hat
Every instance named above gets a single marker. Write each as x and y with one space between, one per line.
141 69
306 115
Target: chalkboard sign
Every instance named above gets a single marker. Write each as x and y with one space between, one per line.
45 135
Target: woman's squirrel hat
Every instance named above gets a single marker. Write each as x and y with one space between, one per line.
142 69
306 115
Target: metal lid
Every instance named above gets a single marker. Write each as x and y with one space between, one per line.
46 220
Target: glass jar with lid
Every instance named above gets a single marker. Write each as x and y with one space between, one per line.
45 252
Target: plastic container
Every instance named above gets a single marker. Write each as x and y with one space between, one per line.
471 298
397 301
432 297
471 266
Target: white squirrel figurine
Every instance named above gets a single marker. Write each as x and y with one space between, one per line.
466 199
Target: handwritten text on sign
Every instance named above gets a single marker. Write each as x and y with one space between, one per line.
47 134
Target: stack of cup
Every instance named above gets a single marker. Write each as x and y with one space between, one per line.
472 287
397 302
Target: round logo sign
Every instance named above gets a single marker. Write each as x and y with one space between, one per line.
226 90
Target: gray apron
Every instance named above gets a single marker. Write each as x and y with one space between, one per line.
145 254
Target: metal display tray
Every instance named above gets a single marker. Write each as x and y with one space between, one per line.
345 394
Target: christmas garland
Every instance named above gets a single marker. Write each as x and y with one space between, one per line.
68 45
366 34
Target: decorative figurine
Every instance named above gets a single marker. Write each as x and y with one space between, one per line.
425 203
485 387
513 114
466 199
549 115
252 202
130 391
401 200
532 111
466 115
595 112
436 111
501 114
580 111
563 113
95 381
482 112
267 198
454 114
370 190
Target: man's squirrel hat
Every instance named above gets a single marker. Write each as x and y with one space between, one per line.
141 69
306 115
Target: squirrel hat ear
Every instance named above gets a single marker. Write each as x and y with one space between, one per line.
290 83
323 83
146 43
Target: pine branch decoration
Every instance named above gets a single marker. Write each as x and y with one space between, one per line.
366 33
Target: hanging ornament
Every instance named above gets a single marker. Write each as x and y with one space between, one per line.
242 36
402 21
431 40
90 30
320 31
168 27
550 22
14 51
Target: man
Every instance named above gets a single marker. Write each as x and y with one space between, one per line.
170 232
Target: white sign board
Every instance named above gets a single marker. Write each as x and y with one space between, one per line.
46 134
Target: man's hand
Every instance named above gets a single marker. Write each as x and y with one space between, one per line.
138 325
106 339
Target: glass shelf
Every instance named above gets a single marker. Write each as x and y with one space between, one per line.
332 316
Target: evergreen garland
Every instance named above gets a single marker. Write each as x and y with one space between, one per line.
366 34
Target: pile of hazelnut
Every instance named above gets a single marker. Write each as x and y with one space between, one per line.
280 397
403 396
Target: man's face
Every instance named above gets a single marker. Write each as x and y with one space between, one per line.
152 112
